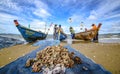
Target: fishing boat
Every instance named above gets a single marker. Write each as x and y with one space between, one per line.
63 36
28 34
87 35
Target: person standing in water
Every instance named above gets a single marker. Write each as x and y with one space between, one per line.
97 32
96 28
60 30
55 32
72 32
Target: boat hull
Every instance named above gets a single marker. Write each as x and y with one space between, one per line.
88 35
63 36
85 35
30 35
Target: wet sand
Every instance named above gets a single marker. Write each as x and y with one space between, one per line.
10 54
105 54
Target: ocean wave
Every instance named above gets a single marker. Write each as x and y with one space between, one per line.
7 42
109 40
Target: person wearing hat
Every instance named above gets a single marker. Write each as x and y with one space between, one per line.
94 28
60 30
55 32
72 32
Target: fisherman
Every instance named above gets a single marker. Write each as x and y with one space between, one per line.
72 32
55 32
60 30
94 28
98 27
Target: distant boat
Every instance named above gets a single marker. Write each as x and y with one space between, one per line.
87 35
28 34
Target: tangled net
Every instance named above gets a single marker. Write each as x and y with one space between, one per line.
51 56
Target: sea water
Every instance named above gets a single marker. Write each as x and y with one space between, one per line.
13 39
7 40
109 38
69 39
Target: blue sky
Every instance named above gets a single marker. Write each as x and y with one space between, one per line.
37 13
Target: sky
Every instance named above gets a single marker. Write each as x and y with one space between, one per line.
41 13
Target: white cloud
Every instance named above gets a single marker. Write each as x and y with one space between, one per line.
5 15
76 18
38 25
7 23
65 2
116 26
38 22
9 4
93 15
106 7
40 4
110 27
7 18
41 10
113 16
105 10
77 29
42 13
65 29
41 26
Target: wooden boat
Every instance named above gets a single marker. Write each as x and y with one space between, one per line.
28 34
87 35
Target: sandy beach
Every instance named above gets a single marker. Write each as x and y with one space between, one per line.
10 54
105 54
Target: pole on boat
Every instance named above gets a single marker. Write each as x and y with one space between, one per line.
16 22
49 27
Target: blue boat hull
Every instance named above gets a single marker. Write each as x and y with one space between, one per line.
62 37
31 35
